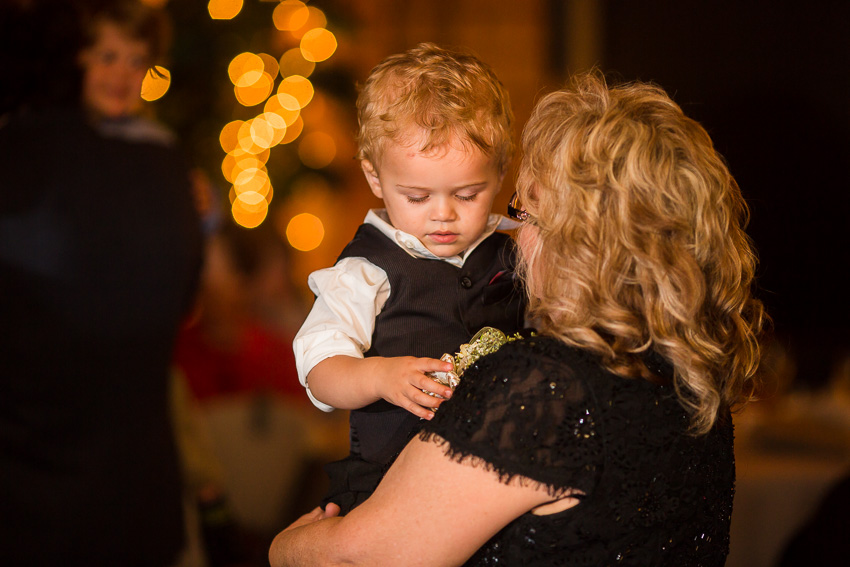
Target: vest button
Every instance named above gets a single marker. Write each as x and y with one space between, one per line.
466 282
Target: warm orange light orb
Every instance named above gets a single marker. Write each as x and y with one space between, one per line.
154 86
305 232
284 105
249 210
318 44
298 87
229 136
315 19
293 63
270 64
245 69
290 15
293 130
224 9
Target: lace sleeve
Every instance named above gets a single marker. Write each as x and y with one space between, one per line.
523 411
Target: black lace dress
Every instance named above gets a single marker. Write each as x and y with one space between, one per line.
653 495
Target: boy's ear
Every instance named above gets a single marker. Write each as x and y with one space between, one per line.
372 177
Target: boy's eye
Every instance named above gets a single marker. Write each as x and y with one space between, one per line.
415 199
467 197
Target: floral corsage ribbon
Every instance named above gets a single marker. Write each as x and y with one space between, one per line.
485 341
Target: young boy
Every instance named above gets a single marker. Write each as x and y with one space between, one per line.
422 275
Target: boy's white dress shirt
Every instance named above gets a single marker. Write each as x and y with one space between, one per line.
351 294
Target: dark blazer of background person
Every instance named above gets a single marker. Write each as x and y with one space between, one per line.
100 249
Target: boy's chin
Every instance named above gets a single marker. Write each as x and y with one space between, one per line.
445 251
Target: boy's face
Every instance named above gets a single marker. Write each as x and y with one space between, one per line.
442 197
113 71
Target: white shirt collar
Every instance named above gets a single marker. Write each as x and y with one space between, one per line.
413 246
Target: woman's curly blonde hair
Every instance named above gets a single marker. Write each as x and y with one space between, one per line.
447 95
640 243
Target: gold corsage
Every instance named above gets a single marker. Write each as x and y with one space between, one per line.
485 341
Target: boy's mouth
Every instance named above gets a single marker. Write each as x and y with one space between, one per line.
443 237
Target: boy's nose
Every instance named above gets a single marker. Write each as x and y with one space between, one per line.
444 211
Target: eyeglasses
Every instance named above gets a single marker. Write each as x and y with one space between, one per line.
516 212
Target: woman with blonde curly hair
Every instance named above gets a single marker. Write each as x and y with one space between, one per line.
606 438
638 241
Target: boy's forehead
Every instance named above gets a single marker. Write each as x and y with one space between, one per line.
407 159
414 141
411 135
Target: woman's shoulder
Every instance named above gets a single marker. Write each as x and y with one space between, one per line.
526 409
543 350
537 363
546 363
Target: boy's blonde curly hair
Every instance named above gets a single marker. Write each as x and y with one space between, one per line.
446 95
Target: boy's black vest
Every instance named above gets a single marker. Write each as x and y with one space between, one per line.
432 309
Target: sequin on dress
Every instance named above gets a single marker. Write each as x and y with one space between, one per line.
653 495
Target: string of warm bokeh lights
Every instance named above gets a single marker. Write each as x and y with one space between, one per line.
279 88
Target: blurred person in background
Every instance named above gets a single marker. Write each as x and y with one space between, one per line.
123 41
100 250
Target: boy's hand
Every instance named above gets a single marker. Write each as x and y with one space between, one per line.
401 379
347 382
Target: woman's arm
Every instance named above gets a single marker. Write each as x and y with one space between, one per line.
428 510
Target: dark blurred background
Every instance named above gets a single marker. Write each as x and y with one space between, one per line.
771 84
